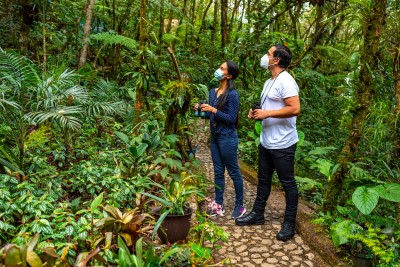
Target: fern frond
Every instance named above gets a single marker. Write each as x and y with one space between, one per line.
111 39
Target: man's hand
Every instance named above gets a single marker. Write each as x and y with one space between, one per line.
260 114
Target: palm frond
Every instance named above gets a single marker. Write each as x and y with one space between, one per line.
4 103
98 108
63 116
17 70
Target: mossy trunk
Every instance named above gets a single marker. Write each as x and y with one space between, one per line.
396 75
373 21
140 89
86 32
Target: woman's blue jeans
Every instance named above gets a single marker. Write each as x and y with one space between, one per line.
281 160
224 153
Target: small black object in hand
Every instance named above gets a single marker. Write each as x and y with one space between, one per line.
256 105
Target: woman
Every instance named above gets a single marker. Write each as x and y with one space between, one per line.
223 114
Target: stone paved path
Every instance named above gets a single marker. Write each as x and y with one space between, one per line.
257 245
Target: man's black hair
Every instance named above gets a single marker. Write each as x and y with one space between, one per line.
283 53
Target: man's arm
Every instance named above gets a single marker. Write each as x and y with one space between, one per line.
291 109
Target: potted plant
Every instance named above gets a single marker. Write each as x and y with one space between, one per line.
174 214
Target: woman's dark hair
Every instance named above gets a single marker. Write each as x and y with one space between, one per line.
233 70
283 53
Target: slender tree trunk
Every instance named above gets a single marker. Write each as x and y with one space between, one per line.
192 21
396 75
224 26
86 33
26 9
142 43
234 12
373 23
317 38
214 33
204 17
239 28
294 20
44 38
161 29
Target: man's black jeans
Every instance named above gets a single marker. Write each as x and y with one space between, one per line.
281 160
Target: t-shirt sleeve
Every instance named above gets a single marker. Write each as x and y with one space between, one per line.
288 88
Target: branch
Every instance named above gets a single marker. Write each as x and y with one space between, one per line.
175 63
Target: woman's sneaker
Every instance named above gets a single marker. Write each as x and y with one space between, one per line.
214 209
238 212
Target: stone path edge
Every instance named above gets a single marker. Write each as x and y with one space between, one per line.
311 233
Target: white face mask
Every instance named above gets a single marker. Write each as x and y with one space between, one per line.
264 62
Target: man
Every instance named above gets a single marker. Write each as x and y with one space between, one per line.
280 105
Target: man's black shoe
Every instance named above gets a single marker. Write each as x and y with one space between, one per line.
286 232
250 219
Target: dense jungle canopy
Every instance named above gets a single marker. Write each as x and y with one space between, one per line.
74 70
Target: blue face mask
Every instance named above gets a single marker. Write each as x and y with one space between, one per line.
219 75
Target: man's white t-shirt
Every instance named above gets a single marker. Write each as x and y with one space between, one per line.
278 133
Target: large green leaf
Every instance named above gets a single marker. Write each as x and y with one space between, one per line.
137 151
389 192
123 137
365 199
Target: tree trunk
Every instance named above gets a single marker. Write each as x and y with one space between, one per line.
214 33
44 38
26 22
204 16
234 12
224 18
396 76
373 21
142 43
161 29
86 33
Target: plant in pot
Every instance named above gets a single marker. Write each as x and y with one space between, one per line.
174 214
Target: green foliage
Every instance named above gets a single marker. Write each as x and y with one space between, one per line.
142 258
113 39
366 198
174 196
374 240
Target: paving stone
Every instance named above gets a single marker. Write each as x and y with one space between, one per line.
310 256
309 263
272 260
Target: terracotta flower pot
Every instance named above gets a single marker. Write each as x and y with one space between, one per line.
174 227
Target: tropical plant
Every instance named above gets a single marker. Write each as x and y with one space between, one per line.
34 98
175 195
142 258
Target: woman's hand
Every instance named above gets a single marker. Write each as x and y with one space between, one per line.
250 115
208 108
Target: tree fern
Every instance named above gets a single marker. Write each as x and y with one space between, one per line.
111 39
